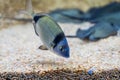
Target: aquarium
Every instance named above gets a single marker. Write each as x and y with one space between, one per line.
59 40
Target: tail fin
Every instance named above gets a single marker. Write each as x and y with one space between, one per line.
29 7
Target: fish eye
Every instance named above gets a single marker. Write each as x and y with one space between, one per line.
62 48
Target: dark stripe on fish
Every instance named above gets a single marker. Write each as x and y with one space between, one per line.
37 17
58 38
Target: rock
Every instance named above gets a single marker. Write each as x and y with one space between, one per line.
98 31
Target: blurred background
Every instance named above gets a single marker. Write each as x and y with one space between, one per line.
11 8
90 10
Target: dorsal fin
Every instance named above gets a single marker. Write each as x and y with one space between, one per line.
29 7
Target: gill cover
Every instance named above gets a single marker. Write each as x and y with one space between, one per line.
61 46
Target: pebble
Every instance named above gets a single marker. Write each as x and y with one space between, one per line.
91 71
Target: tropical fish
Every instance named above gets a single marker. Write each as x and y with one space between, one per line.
49 32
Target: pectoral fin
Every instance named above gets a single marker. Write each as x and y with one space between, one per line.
43 47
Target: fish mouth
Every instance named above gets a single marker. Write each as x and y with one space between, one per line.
65 55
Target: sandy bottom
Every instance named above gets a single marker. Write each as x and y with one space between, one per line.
19 55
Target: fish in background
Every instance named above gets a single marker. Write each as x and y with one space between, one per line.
111 18
77 16
67 15
105 26
106 21
98 31
104 11
49 32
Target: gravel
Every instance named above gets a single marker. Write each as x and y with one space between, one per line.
21 58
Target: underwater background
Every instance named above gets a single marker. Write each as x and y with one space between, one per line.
91 58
